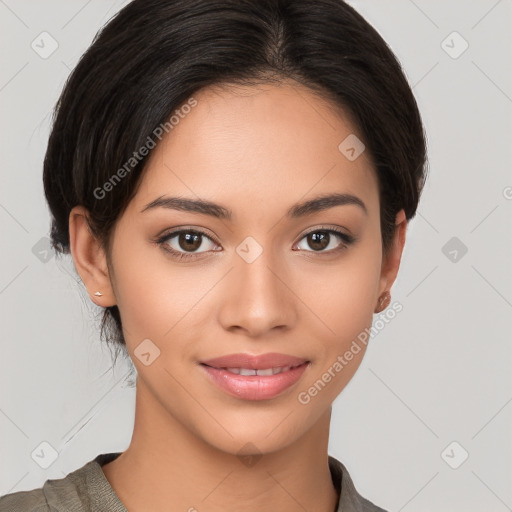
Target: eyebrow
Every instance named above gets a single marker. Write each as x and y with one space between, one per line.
204 207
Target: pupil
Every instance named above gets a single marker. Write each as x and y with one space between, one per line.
321 238
190 241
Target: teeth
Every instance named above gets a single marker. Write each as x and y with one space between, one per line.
268 371
265 372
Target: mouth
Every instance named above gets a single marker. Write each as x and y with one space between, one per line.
263 382
264 372
246 361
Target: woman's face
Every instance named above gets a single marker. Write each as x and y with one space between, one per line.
256 282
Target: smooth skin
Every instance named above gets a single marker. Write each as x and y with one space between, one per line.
256 150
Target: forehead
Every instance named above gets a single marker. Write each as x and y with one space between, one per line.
257 147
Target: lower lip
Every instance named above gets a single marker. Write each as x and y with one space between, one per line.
254 387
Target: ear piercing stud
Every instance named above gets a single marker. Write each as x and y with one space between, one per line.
384 301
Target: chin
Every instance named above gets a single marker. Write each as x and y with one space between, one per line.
256 433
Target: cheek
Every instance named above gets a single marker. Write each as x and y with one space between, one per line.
152 293
347 311
343 295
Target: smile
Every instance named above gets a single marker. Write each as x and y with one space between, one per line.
255 384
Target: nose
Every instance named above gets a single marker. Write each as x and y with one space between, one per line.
257 297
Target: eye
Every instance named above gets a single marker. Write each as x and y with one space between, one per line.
184 244
187 240
320 239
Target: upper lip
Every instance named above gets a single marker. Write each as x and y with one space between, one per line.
257 362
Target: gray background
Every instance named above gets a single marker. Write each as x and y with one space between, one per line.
437 373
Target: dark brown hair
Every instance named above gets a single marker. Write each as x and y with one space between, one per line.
155 54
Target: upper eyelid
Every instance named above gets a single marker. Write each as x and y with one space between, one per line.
336 231
203 232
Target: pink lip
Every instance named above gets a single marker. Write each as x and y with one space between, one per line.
254 387
260 362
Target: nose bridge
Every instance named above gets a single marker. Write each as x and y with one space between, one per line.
258 298
258 270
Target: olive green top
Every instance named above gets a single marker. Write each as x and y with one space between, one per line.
88 490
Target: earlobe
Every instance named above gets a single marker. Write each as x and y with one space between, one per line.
391 263
89 259
383 302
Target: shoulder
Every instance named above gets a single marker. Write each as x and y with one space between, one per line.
350 499
74 493
24 501
64 494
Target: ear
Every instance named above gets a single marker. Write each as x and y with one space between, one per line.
89 258
391 263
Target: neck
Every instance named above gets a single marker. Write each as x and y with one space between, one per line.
167 467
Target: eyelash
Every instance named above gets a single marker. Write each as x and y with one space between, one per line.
162 241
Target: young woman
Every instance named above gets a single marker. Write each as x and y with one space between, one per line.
233 180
